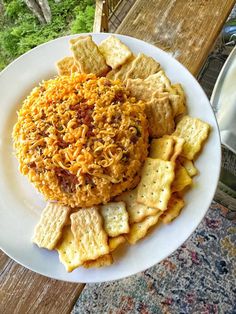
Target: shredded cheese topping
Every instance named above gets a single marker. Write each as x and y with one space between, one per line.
81 139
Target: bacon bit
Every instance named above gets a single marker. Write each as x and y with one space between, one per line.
90 133
100 140
60 142
134 138
107 83
119 96
43 115
75 106
67 180
84 116
116 118
43 133
31 164
126 157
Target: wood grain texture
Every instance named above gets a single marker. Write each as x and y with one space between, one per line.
185 28
23 291
100 23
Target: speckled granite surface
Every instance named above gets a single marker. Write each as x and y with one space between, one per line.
200 277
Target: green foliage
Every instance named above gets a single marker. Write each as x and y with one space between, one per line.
13 8
20 30
83 20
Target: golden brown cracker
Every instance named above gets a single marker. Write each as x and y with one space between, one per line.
115 52
115 242
137 212
189 166
121 72
92 240
161 148
173 210
142 66
178 146
182 179
174 92
72 41
75 68
140 89
194 132
154 189
48 231
68 251
65 66
139 230
88 57
115 217
102 261
159 79
177 99
160 117
155 82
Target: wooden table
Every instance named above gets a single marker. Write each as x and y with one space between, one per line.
188 30
23 291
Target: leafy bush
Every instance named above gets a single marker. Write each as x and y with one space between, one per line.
83 20
20 30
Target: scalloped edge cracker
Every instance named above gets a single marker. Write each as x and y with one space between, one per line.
72 41
66 66
141 90
154 189
194 132
137 212
160 117
178 99
88 57
178 146
173 210
159 78
182 179
161 148
175 92
139 230
92 240
68 252
121 72
142 66
102 261
116 219
48 231
115 242
189 166
115 52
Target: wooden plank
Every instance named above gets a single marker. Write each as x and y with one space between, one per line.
187 29
112 4
23 291
97 24
101 17
3 260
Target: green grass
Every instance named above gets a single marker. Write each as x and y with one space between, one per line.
21 31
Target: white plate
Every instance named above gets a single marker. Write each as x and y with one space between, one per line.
20 204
